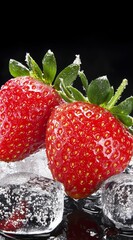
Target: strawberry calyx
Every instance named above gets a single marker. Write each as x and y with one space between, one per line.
48 73
100 92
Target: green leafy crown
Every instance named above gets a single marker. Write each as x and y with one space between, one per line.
98 91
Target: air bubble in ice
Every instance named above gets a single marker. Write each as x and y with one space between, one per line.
117 200
129 168
30 204
36 163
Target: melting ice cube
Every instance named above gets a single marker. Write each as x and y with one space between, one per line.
30 204
129 168
35 163
117 200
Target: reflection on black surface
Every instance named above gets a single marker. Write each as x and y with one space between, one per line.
79 225
83 226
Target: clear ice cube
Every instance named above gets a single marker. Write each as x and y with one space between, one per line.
36 163
117 200
129 168
30 204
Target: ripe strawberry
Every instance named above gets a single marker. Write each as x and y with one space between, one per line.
85 140
26 101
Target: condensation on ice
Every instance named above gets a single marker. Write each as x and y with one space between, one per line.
117 200
36 163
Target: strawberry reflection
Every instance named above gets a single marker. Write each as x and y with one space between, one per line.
82 226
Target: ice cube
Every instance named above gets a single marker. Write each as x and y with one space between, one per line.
36 163
117 200
129 168
2 238
30 204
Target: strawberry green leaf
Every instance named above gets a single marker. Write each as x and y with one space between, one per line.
77 95
70 93
64 89
124 108
49 67
111 94
112 102
34 69
68 74
126 119
65 97
84 80
131 130
98 90
17 69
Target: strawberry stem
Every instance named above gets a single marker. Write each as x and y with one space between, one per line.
117 94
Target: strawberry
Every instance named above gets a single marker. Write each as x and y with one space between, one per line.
16 219
26 101
89 138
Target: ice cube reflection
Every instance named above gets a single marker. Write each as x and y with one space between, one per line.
92 203
30 204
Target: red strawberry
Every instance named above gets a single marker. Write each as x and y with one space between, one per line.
85 142
16 219
26 101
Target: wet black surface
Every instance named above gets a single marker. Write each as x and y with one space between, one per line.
79 225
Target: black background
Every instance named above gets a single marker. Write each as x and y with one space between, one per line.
101 36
